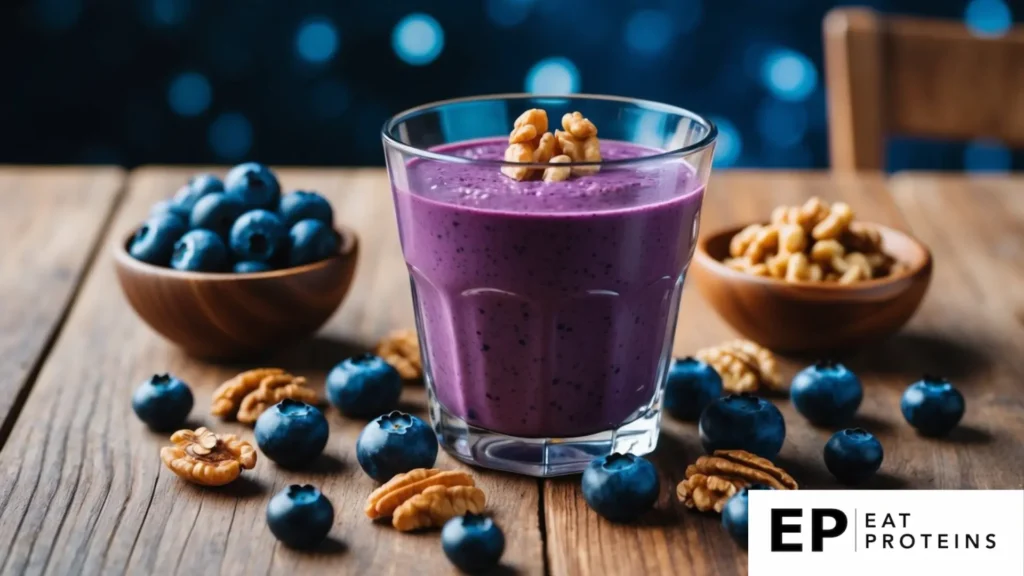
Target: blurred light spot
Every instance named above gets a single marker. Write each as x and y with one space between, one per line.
508 13
230 136
650 129
729 145
418 39
189 94
781 124
58 14
987 156
648 32
553 76
165 13
329 99
317 40
988 17
788 74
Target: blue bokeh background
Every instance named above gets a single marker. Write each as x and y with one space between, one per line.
311 82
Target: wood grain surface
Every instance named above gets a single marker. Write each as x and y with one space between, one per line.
82 490
50 222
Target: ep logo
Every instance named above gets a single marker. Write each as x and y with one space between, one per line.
824 523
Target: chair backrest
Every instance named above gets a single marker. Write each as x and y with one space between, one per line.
917 77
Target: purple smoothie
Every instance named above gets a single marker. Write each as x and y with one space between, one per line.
546 308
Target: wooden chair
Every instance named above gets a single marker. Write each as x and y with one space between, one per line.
917 77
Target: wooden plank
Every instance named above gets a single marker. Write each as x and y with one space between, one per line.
82 489
50 222
976 348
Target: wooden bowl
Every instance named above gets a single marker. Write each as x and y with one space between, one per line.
813 317
237 315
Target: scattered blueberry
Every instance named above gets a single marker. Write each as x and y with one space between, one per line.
255 185
154 241
216 212
826 393
302 205
198 186
364 386
853 455
743 422
395 443
300 516
200 251
735 513
690 387
291 433
251 267
620 487
162 402
472 543
933 406
169 207
311 241
257 235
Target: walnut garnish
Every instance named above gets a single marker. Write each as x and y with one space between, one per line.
531 142
743 365
206 458
272 390
814 242
712 480
524 142
383 501
437 505
228 396
401 349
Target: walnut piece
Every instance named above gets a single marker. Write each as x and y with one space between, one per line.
558 173
437 505
205 458
530 141
228 396
272 390
712 480
401 349
383 501
743 365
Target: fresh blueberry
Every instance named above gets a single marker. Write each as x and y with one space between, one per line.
200 251
311 241
735 512
255 185
364 386
291 433
198 186
300 516
257 235
162 402
302 205
743 422
620 487
250 267
472 543
690 387
933 406
826 393
154 241
395 443
216 212
853 455
168 207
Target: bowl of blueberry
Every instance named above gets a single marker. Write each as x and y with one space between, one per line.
231 268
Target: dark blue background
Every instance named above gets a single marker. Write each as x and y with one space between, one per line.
310 82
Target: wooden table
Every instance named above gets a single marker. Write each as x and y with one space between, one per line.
82 490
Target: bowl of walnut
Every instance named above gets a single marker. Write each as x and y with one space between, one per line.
813 278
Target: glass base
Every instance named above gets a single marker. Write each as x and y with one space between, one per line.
541 457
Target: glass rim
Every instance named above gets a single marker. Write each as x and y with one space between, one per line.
704 142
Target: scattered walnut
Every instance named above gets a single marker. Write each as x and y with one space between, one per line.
547 148
383 501
229 395
535 117
743 365
558 173
401 349
437 505
272 390
206 458
579 127
712 480
519 152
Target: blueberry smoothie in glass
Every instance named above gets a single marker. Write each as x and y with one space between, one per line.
546 310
